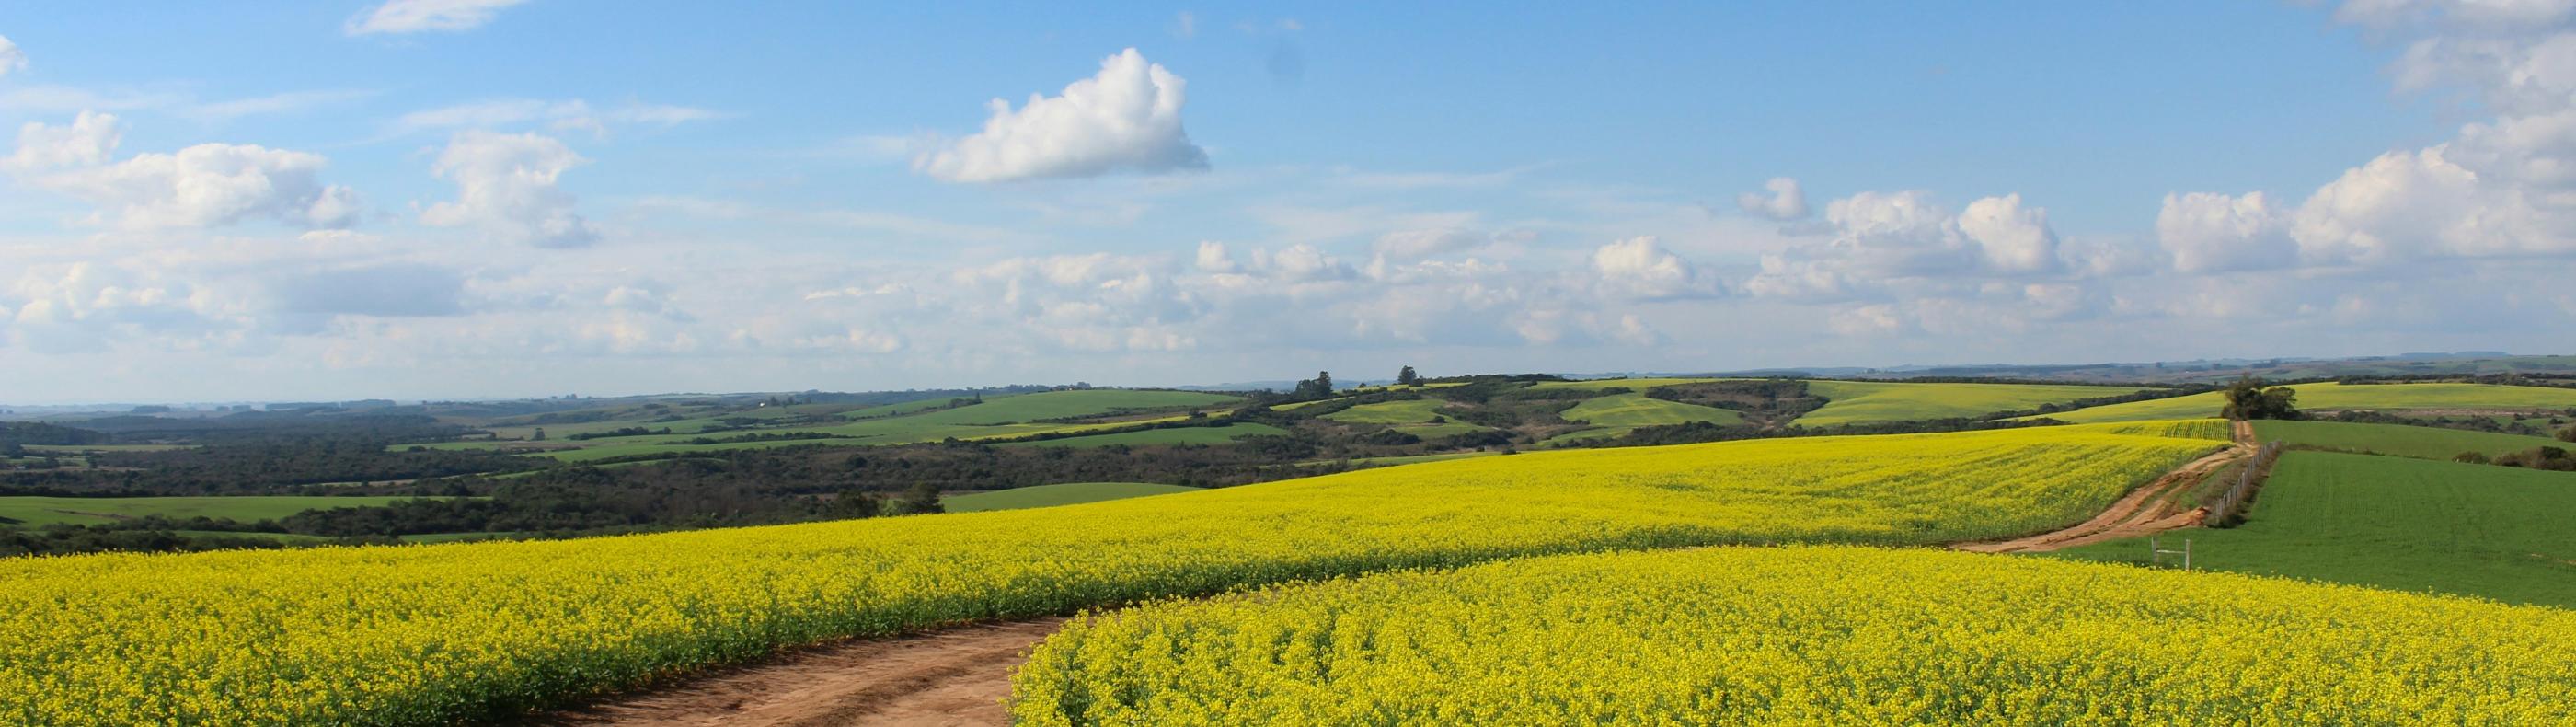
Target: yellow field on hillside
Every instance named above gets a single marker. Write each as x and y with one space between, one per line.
474 632
1808 636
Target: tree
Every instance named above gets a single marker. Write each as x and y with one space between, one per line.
2247 399
1320 387
856 502
922 499
1407 377
538 436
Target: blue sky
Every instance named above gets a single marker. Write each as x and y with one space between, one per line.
454 198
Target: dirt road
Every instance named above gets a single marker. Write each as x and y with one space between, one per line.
955 677
960 677
2145 511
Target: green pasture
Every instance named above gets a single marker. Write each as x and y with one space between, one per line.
1860 402
1637 410
1149 437
1073 493
2397 439
41 510
2396 523
2333 396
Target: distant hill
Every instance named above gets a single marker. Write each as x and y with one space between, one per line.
2465 363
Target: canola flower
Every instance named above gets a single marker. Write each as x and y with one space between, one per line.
2185 429
478 631
1808 635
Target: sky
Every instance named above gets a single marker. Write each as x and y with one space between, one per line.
499 198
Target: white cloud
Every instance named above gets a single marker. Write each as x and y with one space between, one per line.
1903 243
2210 233
1212 257
11 58
1639 268
1128 117
415 16
1305 263
1786 202
200 186
508 183
2480 14
89 141
2015 239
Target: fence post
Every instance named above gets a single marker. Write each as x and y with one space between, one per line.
2186 554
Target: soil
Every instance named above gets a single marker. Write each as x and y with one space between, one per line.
955 677
962 676
2145 511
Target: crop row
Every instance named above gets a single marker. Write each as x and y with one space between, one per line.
468 632
1807 636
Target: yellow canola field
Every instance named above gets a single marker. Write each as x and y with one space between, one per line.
2185 429
472 632
1808 636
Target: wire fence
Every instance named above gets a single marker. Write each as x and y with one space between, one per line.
2229 509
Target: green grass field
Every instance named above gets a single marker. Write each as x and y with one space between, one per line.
1174 435
1637 410
2397 439
1412 459
1858 402
2331 396
2397 523
79 448
1408 411
1638 385
908 407
1443 429
1074 493
1064 404
35 510
1410 416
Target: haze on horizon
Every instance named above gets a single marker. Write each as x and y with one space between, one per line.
462 198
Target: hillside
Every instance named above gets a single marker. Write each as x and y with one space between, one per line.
1854 402
1805 635
490 629
2330 396
2397 523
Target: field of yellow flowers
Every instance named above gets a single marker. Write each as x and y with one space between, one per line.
466 632
1808 635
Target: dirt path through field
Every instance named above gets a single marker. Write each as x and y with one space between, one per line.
2145 511
960 676
954 677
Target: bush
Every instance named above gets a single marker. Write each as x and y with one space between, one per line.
2471 458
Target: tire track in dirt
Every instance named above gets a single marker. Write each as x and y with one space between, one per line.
2145 511
960 677
948 678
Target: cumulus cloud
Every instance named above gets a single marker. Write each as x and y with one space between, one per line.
1785 202
11 59
2014 239
398 17
507 183
200 186
2209 233
2503 187
88 141
1127 117
1639 268
1879 241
